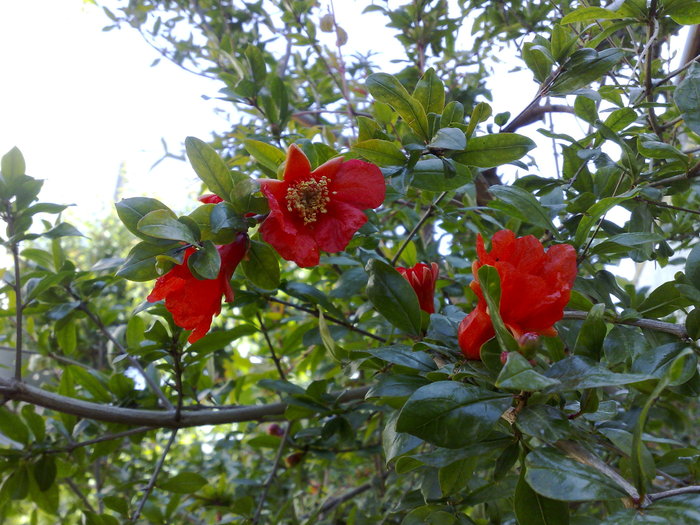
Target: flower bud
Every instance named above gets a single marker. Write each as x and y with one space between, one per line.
529 342
293 459
275 430
504 357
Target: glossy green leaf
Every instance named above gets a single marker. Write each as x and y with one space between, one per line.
140 264
452 114
518 374
451 414
261 266
205 262
12 164
692 266
685 12
209 167
532 508
380 152
62 229
584 14
449 139
578 373
623 242
12 426
393 297
386 88
163 224
405 356
589 342
264 153
183 483
132 210
480 113
537 60
583 67
662 301
559 477
679 509
544 422
521 204
595 212
440 175
45 472
490 283
493 150
430 92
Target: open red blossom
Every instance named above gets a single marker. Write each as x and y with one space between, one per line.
194 302
535 287
422 278
321 209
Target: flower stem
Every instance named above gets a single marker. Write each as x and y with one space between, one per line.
417 227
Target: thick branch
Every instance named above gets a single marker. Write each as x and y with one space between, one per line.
19 391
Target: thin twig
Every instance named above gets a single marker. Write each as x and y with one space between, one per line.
333 502
19 307
664 205
76 490
275 358
132 360
273 473
106 437
417 227
676 72
690 489
332 319
651 324
154 477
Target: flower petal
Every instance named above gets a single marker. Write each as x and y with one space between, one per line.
334 229
359 183
293 244
297 167
474 330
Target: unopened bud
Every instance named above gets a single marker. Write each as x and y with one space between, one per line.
529 342
275 430
504 357
293 459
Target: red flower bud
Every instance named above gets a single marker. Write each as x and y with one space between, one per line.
504 357
422 278
275 430
194 302
294 459
535 287
210 198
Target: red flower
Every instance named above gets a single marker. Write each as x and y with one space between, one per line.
422 278
535 287
321 209
210 198
194 302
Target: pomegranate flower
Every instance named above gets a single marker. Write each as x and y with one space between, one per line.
210 198
535 287
422 278
321 209
194 302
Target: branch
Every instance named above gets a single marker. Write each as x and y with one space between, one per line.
275 357
132 360
106 437
273 473
651 324
691 489
17 390
417 227
533 114
154 477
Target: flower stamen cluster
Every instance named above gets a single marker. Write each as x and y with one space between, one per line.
309 198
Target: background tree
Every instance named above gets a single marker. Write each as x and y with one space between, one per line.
332 394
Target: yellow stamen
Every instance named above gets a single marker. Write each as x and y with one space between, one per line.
309 198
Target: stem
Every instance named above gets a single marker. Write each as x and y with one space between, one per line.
132 360
652 324
152 482
417 227
273 473
664 205
107 437
676 72
19 307
276 359
76 490
690 489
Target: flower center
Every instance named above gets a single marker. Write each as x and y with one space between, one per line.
309 198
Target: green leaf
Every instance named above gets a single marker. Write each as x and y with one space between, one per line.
451 414
12 164
132 210
449 139
396 443
393 297
538 60
257 64
266 154
584 14
480 113
686 12
206 262
663 301
35 422
140 264
595 212
183 483
219 339
589 342
544 422
490 283
489 151
45 472
620 119
261 266
223 217
583 67
380 152
558 477
674 510
692 266
452 114
623 242
440 175
533 509
12 426
386 88
62 229
163 224
209 167
518 374
404 356
430 92
578 373
523 205
655 149
337 352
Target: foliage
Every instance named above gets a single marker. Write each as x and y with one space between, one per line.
330 394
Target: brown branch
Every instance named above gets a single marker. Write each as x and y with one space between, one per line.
154 477
690 489
533 114
431 209
273 473
651 324
19 391
106 437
